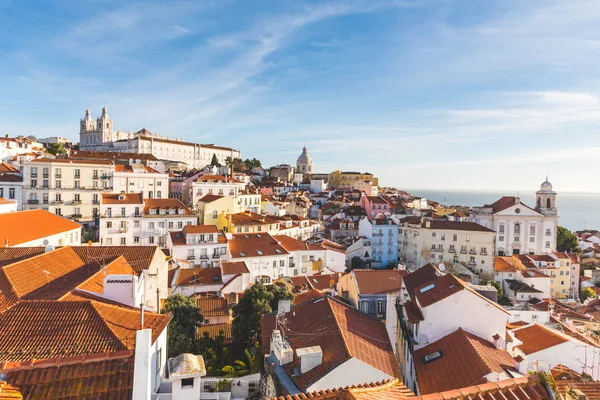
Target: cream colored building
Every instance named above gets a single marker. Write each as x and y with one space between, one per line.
138 178
520 228
71 188
421 241
99 135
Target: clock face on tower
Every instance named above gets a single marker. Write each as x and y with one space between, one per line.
517 210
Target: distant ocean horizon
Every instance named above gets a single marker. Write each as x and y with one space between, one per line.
576 211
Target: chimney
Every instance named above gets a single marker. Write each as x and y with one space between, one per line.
310 357
141 315
142 370
6 242
498 342
281 349
521 364
427 224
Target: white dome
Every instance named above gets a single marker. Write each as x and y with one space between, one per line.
547 186
304 158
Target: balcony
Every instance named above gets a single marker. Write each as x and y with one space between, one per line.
472 252
76 215
472 263
77 177
34 175
190 258
483 253
75 202
204 257
95 201
95 177
216 255
57 202
58 176
104 176
451 250
122 230
33 201
463 251
45 176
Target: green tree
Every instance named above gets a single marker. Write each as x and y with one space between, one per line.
56 148
566 241
498 288
250 365
257 301
214 162
181 334
252 163
588 293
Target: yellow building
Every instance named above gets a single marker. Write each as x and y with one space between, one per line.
211 206
560 276
343 179
247 222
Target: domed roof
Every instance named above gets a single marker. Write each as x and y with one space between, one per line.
546 186
304 158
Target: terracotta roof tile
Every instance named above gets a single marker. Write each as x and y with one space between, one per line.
200 229
6 167
341 331
234 267
209 198
308 295
199 276
125 198
99 379
425 274
95 283
413 314
11 255
213 306
535 338
139 257
165 204
252 245
373 281
431 292
214 330
24 226
454 225
465 360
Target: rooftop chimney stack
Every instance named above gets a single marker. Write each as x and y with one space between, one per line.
310 357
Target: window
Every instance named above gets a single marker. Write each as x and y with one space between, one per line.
159 194
500 228
136 239
501 238
11 193
58 184
548 232
215 214
380 307
468 238
77 173
454 237
109 241
364 306
432 357
547 244
432 234
187 383
151 225
33 183
517 228
109 224
531 239
123 241
122 211
151 240
443 236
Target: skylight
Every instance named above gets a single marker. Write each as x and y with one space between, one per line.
260 253
432 357
278 251
242 254
427 288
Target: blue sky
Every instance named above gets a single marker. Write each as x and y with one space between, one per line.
458 94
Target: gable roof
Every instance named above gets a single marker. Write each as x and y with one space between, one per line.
536 338
212 306
199 276
41 329
465 360
254 245
341 331
122 198
373 281
424 274
139 257
150 204
505 202
25 226
234 267
454 225
209 198
100 376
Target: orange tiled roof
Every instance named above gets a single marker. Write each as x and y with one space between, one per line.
308 296
465 360
252 245
560 372
6 167
24 226
234 267
322 281
516 389
209 198
166 204
139 257
200 229
95 283
212 306
10 255
127 198
97 377
70 328
536 338
445 286
341 331
214 330
424 274
8 391
504 264
384 390
199 276
373 281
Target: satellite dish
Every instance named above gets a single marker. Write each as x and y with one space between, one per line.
442 267
45 242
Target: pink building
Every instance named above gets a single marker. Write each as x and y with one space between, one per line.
374 205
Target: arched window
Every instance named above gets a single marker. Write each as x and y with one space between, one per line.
548 203
539 203
517 228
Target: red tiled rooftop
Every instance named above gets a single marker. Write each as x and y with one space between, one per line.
212 307
234 267
372 281
25 226
537 338
199 276
351 334
214 330
125 198
465 360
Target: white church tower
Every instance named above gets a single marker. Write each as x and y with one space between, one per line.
92 135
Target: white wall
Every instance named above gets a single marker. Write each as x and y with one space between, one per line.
572 354
445 316
71 237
